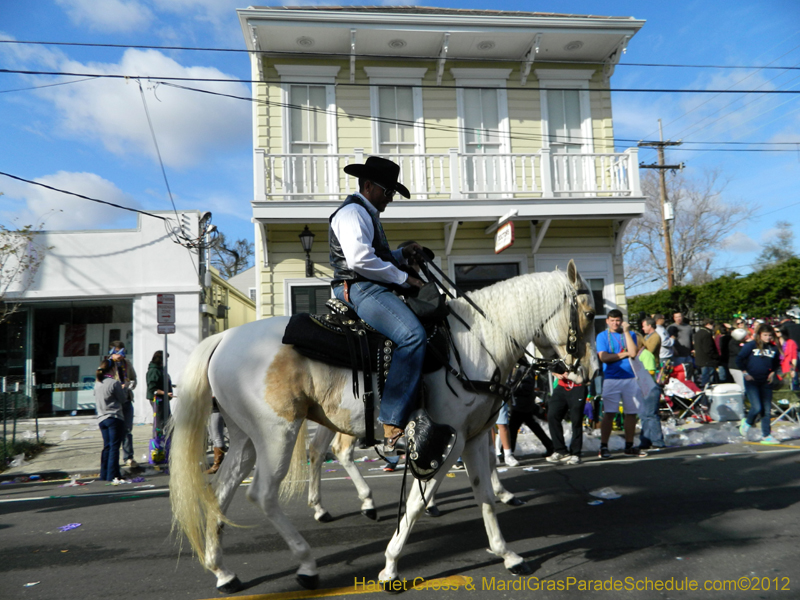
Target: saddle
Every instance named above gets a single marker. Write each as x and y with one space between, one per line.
342 339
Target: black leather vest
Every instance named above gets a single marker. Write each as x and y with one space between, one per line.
341 272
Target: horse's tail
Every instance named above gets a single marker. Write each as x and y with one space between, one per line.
294 484
194 504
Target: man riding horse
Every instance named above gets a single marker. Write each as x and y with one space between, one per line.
366 271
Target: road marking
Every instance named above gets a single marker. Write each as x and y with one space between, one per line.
454 581
119 494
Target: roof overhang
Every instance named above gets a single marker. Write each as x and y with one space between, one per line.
445 211
476 35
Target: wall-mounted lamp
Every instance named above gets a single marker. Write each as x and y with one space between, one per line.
307 240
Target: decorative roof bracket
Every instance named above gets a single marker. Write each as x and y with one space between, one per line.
257 51
442 59
352 56
530 56
613 59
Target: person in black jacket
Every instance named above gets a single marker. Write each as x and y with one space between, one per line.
706 355
523 412
760 362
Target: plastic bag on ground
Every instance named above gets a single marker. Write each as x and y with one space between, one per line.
605 493
19 460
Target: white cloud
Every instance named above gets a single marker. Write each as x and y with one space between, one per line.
188 125
740 242
109 16
61 211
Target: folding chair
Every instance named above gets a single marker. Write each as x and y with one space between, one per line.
686 396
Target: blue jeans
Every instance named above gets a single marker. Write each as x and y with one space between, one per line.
127 439
651 423
113 431
760 397
389 315
706 376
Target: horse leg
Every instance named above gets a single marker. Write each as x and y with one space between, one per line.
316 454
344 446
414 507
502 493
476 459
237 465
272 463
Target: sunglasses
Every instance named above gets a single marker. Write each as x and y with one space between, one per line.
386 192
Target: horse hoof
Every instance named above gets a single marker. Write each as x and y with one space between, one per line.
233 586
522 569
310 582
433 511
370 513
515 502
325 517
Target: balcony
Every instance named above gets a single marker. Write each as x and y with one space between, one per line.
455 175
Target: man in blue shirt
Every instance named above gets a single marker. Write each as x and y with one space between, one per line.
616 347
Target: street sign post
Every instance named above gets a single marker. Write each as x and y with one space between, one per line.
165 317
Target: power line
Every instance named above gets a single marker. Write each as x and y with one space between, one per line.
451 128
377 56
38 87
106 202
420 86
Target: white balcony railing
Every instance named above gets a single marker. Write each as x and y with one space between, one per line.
455 175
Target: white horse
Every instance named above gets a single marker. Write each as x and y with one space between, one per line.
266 391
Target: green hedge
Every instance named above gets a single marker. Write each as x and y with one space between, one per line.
766 293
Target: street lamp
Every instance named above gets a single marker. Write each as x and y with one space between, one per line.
307 240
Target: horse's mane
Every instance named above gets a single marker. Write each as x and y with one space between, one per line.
520 309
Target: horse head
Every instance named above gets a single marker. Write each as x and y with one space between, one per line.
576 340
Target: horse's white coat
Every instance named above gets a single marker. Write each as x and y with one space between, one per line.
266 391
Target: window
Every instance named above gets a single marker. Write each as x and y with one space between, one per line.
309 126
252 292
596 285
396 121
483 121
567 127
310 299
471 277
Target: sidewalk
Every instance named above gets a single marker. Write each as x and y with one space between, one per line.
74 447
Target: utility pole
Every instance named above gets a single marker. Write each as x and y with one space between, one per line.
662 168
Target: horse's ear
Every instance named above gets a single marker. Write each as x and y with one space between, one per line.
572 273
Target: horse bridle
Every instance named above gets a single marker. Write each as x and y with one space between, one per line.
574 325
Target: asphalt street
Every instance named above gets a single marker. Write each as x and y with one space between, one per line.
711 514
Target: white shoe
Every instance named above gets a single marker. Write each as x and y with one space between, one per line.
556 457
511 460
571 460
131 463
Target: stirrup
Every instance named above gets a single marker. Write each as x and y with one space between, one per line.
429 444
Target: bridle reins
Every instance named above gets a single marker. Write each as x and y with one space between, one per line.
558 364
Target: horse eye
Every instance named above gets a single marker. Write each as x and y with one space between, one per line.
589 314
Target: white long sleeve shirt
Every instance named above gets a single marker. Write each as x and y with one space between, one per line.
353 228
666 342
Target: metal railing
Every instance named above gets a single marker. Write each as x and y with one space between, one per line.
456 175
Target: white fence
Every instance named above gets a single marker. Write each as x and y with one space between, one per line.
455 175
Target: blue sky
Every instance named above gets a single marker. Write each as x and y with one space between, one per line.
92 137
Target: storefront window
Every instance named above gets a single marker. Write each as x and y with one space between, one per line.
69 341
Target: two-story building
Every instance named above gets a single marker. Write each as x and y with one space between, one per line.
493 116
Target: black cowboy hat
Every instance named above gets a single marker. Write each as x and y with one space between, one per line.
382 171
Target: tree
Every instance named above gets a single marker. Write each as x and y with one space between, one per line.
20 259
778 249
769 292
231 259
702 221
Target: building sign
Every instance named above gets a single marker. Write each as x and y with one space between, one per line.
166 329
504 238
165 311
